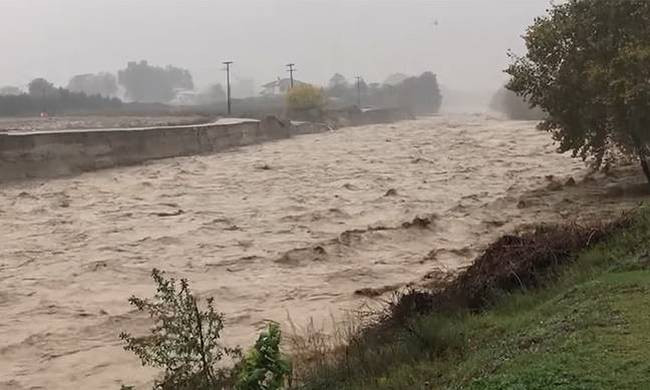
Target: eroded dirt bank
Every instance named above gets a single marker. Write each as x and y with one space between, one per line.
295 226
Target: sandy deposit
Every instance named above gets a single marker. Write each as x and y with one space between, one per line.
291 227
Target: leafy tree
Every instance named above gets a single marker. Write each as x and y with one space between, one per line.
179 78
395 78
372 87
212 94
41 88
337 79
422 93
146 83
104 84
305 97
184 340
513 106
264 367
44 97
587 66
338 86
10 91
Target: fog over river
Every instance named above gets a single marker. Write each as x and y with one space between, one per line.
292 227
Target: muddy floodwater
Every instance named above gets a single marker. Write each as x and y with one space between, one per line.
289 228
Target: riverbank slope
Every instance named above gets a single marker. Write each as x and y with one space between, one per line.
586 326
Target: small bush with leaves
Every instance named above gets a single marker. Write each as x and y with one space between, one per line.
184 340
264 367
305 97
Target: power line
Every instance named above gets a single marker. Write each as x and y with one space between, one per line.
228 63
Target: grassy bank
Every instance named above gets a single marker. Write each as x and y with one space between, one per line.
586 325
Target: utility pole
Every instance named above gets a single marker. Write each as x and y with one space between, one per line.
291 70
227 63
358 90
44 112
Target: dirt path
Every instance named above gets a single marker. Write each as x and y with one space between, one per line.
292 227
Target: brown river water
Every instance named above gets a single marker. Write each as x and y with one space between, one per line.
289 228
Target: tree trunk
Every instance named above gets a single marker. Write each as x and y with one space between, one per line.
643 158
644 164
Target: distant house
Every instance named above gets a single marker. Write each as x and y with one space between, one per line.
279 87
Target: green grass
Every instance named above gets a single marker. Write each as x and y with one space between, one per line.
588 329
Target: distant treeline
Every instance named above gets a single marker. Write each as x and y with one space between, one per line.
141 84
146 83
137 82
44 97
420 94
514 107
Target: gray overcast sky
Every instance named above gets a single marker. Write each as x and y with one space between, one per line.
467 47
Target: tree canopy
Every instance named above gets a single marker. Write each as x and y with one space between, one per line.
43 96
513 106
395 78
587 66
212 94
338 86
305 97
337 79
10 90
147 83
40 87
421 94
104 84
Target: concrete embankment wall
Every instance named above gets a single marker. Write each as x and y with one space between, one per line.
59 153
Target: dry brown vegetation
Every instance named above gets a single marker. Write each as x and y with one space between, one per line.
512 262
370 342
